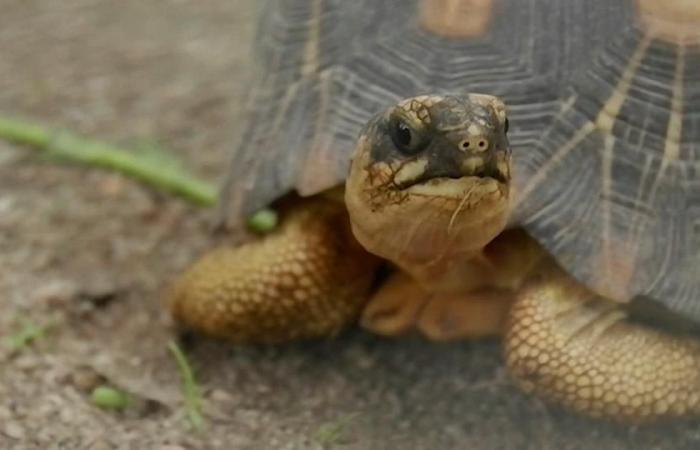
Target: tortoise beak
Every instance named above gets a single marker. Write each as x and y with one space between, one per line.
482 164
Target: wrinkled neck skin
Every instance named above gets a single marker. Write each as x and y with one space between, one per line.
430 231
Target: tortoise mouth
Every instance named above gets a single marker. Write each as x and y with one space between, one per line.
480 174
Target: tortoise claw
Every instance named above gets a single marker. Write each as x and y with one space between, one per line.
477 314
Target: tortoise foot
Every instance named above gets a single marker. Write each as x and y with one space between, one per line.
306 279
393 309
582 351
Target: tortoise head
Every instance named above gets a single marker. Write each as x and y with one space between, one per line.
430 178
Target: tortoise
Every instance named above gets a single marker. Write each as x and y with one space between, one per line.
524 168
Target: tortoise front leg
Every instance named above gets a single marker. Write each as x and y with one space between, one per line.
470 299
308 278
401 305
581 350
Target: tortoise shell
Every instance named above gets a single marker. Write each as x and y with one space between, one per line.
603 100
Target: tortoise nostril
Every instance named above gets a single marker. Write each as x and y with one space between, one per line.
482 144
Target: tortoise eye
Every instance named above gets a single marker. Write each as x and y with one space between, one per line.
407 139
403 134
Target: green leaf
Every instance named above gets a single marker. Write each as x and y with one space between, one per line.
263 221
28 333
107 397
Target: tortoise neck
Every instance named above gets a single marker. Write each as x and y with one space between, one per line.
422 243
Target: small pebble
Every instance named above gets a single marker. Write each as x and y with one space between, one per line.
14 430
100 445
220 395
27 362
85 379
55 293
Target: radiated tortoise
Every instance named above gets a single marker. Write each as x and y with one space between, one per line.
524 168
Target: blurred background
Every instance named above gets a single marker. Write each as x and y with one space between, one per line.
85 254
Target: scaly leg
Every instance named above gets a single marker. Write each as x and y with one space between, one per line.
308 278
578 349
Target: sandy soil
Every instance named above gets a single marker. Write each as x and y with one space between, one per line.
86 253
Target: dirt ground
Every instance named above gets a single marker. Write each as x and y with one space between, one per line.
86 253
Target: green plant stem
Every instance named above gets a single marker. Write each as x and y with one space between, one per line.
191 392
71 147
